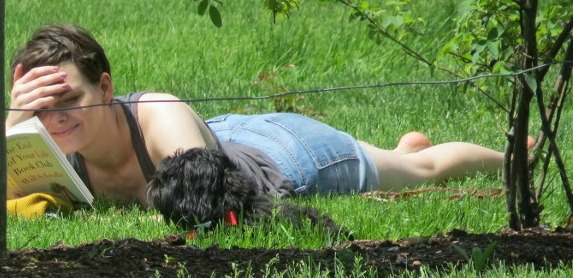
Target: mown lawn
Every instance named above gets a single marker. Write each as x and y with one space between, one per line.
165 46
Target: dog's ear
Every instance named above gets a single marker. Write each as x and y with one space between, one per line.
158 192
243 195
235 186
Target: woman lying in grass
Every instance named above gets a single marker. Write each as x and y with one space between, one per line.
115 143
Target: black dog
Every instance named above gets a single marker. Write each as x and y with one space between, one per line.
200 186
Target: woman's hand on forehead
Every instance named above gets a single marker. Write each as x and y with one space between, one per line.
41 87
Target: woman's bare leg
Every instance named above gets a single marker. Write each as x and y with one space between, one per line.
418 162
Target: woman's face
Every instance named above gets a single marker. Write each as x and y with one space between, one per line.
76 129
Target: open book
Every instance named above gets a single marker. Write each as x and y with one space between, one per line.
35 164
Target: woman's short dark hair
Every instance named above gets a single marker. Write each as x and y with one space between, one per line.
55 44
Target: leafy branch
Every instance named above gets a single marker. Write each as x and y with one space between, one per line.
496 36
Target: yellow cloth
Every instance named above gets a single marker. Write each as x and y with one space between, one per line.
37 204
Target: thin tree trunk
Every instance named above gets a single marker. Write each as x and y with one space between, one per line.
520 176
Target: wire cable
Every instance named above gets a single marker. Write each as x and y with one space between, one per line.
311 91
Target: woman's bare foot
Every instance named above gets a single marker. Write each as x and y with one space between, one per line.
412 142
530 142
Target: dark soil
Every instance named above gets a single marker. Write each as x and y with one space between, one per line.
135 258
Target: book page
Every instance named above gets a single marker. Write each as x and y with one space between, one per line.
33 168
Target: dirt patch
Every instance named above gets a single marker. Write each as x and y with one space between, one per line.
118 258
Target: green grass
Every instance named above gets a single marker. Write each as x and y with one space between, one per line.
164 46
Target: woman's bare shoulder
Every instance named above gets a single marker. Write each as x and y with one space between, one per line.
171 125
157 96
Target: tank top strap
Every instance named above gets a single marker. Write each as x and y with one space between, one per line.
128 104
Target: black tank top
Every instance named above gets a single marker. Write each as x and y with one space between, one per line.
129 107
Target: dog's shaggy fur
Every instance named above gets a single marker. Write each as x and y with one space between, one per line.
200 185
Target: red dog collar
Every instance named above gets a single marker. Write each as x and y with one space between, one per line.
231 218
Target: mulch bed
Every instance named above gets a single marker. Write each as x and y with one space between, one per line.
130 257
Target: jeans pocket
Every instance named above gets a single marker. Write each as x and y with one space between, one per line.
324 144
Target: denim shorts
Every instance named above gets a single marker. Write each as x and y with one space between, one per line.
315 157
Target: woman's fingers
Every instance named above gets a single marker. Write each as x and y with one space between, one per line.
37 78
32 74
38 88
38 83
41 95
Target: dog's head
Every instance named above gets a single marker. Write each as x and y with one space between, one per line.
201 185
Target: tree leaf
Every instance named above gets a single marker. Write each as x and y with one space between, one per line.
202 7
493 48
397 21
495 33
354 16
464 8
215 16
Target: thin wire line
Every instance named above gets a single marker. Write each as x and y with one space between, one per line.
304 92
